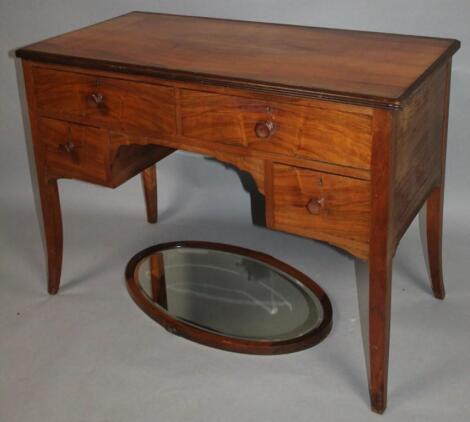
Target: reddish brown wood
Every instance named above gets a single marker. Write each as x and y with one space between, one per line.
88 159
269 192
265 129
219 341
380 257
149 181
48 191
344 217
93 154
346 145
434 215
435 205
350 66
157 279
214 88
66 150
95 100
140 108
314 133
52 218
131 155
344 132
417 168
316 205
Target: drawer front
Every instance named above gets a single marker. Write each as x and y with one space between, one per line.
132 107
322 206
328 135
75 151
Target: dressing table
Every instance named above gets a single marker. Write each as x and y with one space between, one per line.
343 132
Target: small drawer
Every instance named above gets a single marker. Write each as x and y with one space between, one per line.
327 135
322 206
131 107
76 151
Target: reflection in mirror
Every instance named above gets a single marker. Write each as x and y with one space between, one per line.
157 278
229 294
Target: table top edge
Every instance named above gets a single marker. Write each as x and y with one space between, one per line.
31 53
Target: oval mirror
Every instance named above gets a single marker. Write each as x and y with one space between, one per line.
229 297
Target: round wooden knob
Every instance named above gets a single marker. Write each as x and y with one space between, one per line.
95 99
316 205
265 129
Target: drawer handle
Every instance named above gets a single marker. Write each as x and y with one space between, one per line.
69 147
95 99
265 129
316 205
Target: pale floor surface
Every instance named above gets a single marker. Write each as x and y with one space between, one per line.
89 354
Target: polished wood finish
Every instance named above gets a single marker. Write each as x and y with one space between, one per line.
220 341
417 168
285 59
343 132
68 150
92 154
128 159
132 107
342 217
380 257
332 136
316 205
157 279
435 204
51 214
226 150
48 193
76 151
265 129
149 181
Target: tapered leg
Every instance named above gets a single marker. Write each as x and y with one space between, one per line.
52 219
380 274
380 258
434 218
149 180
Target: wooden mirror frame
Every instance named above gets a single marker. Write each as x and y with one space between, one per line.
219 341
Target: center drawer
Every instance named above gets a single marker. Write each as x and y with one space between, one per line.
122 105
321 206
322 134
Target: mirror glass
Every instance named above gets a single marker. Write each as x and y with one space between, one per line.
228 294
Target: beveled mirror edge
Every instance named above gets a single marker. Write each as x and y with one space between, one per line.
219 341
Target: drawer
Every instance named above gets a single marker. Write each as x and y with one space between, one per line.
131 107
93 154
322 206
328 135
76 151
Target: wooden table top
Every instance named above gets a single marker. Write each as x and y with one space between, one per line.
351 66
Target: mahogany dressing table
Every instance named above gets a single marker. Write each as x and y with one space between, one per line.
343 132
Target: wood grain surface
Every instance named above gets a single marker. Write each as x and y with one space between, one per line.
128 106
418 148
344 218
381 255
319 134
88 156
149 182
343 132
353 66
